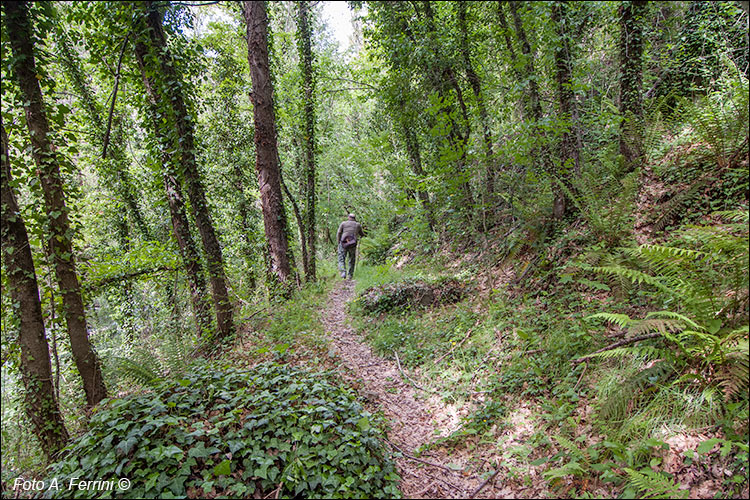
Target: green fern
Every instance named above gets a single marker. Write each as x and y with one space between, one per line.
675 206
634 390
578 454
139 373
159 359
654 485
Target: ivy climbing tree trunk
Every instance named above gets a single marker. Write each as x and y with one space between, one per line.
36 371
415 159
569 154
180 224
631 82
442 76
304 44
267 156
48 169
539 153
172 91
113 171
476 87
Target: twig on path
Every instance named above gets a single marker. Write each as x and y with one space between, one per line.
411 457
410 380
617 344
468 334
424 490
485 483
445 482
581 377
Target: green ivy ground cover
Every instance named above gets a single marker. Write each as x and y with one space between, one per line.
231 433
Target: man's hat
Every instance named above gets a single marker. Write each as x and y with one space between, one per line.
352 217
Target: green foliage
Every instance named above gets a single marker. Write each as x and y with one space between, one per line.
376 249
652 484
154 361
234 433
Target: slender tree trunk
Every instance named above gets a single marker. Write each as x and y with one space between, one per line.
506 36
180 224
457 138
36 372
476 87
113 171
631 82
186 143
541 153
415 159
308 98
267 156
300 226
87 362
569 154
535 107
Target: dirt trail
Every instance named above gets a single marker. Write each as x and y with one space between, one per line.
413 416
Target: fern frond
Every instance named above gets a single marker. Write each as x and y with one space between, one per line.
654 485
735 372
621 320
655 325
579 454
676 203
139 373
569 469
634 276
739 216
642 352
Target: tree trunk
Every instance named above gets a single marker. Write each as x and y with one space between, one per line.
180 224
267 156
569 154
535 107
300 226
113 171
87 362
36 370
631 82
308 86
457 138
506 37
415 158
186 144
476 87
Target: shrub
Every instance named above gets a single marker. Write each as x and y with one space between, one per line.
230 433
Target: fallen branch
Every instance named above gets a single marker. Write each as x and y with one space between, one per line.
455 346
617 344
581 377
411 457
410 380
485 483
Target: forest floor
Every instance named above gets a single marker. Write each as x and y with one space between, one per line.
417 418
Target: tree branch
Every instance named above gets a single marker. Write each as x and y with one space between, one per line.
114 96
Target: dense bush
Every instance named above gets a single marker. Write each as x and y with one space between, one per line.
233 433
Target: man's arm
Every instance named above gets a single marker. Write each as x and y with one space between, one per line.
338 233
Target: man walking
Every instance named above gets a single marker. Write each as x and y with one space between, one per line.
347 236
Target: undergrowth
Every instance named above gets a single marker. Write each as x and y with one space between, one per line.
272 430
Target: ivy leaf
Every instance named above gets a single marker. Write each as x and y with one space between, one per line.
127 445
223 469
707 445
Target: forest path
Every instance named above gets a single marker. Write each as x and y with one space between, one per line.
414 421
